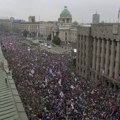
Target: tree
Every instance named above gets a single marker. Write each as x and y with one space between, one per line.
56 40
49 37
25 33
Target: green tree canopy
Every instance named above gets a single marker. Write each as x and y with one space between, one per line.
56 40
25 33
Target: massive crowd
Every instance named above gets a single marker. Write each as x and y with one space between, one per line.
51 90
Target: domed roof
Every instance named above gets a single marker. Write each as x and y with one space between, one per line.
65 13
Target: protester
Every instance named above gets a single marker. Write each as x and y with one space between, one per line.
51 90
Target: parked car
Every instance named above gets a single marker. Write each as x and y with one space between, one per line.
49 46
45 44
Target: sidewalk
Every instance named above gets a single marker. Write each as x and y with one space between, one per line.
11 107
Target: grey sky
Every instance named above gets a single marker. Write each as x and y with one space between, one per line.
81 10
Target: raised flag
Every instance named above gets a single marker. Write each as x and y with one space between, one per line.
46 81
61 94
32 71
28 49
119 78
116 76
59 82
50 71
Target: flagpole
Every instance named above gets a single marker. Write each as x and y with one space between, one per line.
37 33
118 15
39 26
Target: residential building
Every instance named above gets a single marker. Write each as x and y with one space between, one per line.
31 19
96 18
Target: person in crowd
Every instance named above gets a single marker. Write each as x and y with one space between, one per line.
51 90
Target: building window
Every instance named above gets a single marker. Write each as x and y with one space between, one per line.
78 68
82 37
84 63
78 58
108 71
114 65
85 47
67 20
113 74
90 73
66 36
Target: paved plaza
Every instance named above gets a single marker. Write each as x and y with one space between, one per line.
51 89
54 48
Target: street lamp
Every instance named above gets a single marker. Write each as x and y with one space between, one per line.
37 34
75 50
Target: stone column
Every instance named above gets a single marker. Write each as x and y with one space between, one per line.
112 58
83 49
98 55
87 55
52 36
107 56
87 50
94 58
102 56
80 59
82 54
117 59
94 54
77 60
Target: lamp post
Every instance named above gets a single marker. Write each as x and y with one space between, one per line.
37 33
118 15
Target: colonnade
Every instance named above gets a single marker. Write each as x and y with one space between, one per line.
104 62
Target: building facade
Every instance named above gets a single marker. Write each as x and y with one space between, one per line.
43 28
31 19
98 56
67 30
64 28
5 25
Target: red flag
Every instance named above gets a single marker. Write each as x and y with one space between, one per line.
116 76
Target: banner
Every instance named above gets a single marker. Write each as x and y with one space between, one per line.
116 76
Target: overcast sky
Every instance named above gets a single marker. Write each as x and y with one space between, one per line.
81 10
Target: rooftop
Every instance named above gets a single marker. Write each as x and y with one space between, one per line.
65 13
11 107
